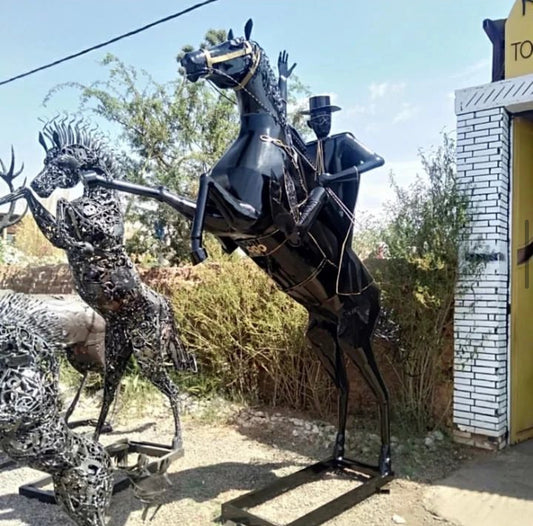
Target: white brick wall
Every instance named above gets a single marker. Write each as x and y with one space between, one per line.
482 295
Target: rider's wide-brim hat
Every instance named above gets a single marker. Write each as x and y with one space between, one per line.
320 103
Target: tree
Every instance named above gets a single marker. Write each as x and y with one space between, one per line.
170 133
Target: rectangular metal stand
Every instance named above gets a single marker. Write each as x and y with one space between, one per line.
162 454
35 491
236 510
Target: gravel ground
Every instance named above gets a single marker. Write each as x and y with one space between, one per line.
221 462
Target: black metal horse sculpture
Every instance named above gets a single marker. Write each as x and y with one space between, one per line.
267 197
277 208
91 230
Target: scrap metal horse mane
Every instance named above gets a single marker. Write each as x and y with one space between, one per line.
268 199
91 230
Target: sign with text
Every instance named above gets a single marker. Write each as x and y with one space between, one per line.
519 40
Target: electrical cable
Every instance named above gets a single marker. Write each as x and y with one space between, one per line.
107 42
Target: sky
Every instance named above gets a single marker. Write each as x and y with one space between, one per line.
392 66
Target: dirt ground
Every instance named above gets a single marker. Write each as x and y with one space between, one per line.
224 459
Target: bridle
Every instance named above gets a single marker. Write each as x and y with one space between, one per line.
247 49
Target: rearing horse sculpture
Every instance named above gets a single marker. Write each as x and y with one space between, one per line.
90 229
267 198
280 213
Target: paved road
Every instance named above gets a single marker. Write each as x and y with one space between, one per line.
497 491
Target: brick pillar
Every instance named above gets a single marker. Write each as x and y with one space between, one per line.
480 411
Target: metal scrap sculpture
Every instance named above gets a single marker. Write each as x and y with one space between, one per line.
31 429
289 206
91 231
8 175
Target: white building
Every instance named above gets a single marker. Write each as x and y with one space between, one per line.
493 393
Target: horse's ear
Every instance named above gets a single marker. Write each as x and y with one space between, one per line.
230 34
42 142
248 29
55 136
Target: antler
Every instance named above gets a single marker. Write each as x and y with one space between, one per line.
8 177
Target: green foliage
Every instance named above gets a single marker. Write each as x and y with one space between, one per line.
419 278
249 338
368 235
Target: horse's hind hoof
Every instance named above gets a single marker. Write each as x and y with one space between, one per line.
198 255
177 446
107 428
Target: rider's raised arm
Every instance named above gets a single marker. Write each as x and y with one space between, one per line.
284 73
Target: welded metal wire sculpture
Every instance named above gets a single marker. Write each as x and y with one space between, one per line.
31 430
8 175
90 229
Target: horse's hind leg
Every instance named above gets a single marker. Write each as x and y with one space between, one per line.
351 334
118 352
323 338
154 370
76 398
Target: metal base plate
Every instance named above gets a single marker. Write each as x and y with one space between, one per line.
120 450
236 512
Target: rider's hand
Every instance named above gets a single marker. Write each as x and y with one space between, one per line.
284 71
323 179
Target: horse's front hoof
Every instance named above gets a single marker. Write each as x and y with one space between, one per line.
198 255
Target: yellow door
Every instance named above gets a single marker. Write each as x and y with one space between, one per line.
522 283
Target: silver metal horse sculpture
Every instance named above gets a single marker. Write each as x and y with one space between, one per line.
90 229
31 430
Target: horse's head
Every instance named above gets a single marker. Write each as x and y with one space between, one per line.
72 152
228 65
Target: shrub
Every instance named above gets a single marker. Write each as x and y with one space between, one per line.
418 280
250 338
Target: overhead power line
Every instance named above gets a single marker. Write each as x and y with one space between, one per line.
103 44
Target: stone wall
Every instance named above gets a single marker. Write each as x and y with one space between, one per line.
56 279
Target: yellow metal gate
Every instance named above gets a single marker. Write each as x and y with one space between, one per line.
522 283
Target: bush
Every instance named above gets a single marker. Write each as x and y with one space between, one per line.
33 246
250 338
418 281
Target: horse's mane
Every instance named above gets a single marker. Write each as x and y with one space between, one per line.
70 134
270 85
